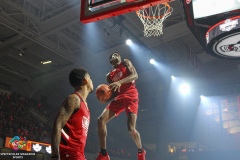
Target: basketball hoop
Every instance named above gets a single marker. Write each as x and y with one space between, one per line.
153 17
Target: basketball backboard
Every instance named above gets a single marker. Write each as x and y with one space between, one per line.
95 10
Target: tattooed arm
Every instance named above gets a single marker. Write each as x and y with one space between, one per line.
71 103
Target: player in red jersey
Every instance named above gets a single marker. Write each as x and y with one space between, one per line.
70 129
122 81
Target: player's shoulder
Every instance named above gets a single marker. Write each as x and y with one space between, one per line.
127 62
73 97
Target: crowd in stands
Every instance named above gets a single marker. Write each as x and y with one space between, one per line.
16 120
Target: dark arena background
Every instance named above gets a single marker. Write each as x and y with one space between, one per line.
188 75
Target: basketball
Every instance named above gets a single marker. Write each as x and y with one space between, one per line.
103 92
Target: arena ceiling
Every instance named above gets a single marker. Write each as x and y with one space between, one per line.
51 30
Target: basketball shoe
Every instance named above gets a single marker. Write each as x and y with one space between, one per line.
101 157
141 156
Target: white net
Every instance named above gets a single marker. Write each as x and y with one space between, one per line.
153 17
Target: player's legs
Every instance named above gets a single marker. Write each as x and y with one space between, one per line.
132 118
132 111
131 122
105 117
113 109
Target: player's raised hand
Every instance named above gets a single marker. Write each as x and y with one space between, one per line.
115 86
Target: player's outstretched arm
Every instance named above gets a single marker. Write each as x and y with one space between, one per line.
71 103
131 69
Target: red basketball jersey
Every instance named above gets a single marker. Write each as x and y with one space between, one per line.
74 133
119 73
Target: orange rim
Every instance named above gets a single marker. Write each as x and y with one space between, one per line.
157 17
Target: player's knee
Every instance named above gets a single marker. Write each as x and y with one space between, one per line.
131 129
101 120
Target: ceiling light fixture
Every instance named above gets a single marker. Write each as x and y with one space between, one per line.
20 54
46 62
128 41
152 61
